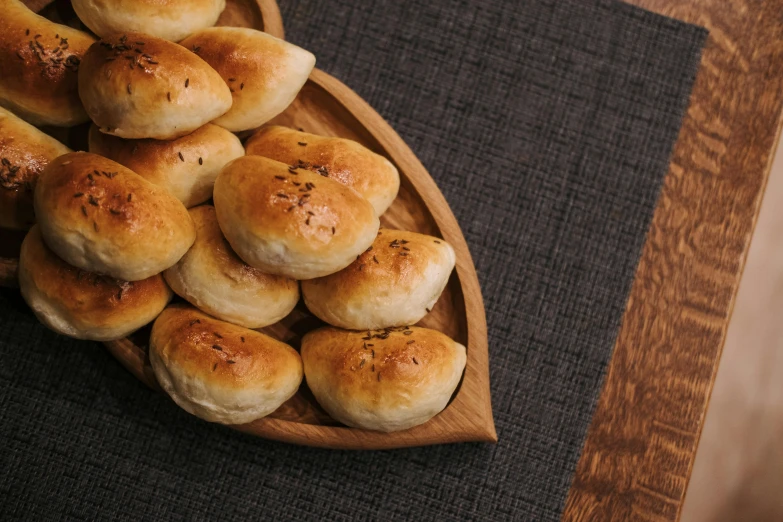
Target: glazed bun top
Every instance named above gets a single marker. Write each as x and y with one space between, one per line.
385 380
264 73
24 153
137 86
186 166
39 64
288 221
168 19
102 217
83 304
219 371
395 283
343 160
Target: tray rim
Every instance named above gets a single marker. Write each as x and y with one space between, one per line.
271 19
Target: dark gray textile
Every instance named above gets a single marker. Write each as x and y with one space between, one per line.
548 125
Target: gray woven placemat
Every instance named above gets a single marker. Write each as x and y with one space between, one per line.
548 125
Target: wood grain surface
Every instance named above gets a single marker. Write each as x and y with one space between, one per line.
640 448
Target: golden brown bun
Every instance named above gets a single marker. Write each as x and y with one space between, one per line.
384 380
24 152
41 94
101 217
189 178
369 174
264 73
168 19
291 222
82 304
211 277
395 283
138 86
218 371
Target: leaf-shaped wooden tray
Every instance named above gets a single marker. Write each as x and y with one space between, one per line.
327 107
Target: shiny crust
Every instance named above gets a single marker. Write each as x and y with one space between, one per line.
114 222
384 380
218 371
369 174
264 73
189 178
24 152
395 283
168 19
213 278
126 93
283 228
42 95
82 304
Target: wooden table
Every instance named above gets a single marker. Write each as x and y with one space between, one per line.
641 445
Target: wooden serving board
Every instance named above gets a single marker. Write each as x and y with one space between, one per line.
327 107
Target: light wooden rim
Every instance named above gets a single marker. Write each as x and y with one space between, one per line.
270 16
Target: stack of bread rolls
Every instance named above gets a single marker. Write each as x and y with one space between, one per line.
168 201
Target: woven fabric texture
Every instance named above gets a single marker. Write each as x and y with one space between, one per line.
548 124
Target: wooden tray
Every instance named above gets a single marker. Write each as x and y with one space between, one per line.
327 107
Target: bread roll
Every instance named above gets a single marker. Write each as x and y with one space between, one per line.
395 283
138 86
39 61
289 221
264 73
186 167
218 371
82 304
369 174
101 217
384 380
168 19
211 277
24 152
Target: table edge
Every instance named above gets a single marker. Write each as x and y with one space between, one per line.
638 454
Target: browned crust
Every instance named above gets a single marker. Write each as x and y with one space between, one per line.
211 243
343 160
154 73
225 354
91 298
24 152
396 259
39 61
275 199
409 360
93 192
